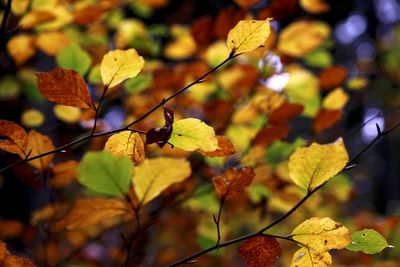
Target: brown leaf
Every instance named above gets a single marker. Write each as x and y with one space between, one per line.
279 10
260 251
10 229
226 148
65 87
233 181
246 3
91 211
162 134
9 260
284 113
13 138
34 18
268 135
37 144
64 173
202 30
332 77
326 119
88 14
226 20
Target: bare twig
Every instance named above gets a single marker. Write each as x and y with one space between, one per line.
3 27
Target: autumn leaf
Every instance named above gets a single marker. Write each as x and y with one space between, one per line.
326 119
314 6
64 87
155 175
21 48
14 138
233 181
248 35
191 134
321 234
67 114
306 258
332 77
335 100
39 143
127 144
119 65
91 211
260 251
310 167
34 18
368 241
160 135
104 173
226 148
64 173
9 260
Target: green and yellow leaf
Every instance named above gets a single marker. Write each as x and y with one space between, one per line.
307 258
127 144
368 241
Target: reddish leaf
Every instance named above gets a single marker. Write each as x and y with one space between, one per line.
88 14
202 30
247 3
332 77
162 134
226 148
65 87
13 138
326 119
279 9
226 20
284 113
260 251
233 181
269 135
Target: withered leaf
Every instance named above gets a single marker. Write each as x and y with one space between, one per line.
65 87
285 112
260 251
13 138
332 77
326 119
37 144
268 135
162 134
233 181
9 260
226 148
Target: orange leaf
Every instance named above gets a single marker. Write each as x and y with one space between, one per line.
226 148
233 181
260 251
64 173
332 77
37 144
91 211
271 134
326 119
64 87
21 48
202 30
226 20
88 14
9 260
13 138
10 229
247 3
284 113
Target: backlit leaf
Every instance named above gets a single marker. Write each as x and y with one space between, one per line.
91 211
14 138
9 260
75 58
37 144
160 135
308 258
156 175
325 119
314 6
368 241
310 167
32 118
119 65
52 42
226 148
191 134
104 173
321 234
21 48
233 181
127 144
260 251
34 18
64 87
248 35
67 114
335 100
64 173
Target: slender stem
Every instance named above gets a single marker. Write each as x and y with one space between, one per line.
217 220
97 110
5 17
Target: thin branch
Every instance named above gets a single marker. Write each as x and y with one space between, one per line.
97 109
7 12
217 219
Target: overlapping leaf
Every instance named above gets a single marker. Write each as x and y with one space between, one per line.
260 251
226 148
39 143
307 258
127 144
233 181
14 138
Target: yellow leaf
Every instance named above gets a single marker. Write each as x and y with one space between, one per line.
52 42
119 65
191 134
310 167
67 114
301 37
127 144
21 48
91 211
155 175
216 53
322 234
335 100
248 35
19 7
314 6
32 118
183 46
307 258
357 83
37 144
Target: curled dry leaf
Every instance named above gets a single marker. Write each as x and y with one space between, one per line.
14 138
260 251
127 144
233 181
91 211
38 144
248 35
306 257
226 148
65 87
161 135
9 260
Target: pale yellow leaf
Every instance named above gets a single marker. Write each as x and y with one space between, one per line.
248 35
67 114
156 175
322 234
191 134
310 167
37 144
32 118
315 6
127 144
308 258
335 100
183 45
119 65
21 48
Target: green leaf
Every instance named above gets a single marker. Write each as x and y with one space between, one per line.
138 84
368 241
319 58
74 57
191 134
279 151
103 173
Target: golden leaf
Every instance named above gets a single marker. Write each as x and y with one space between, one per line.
21 48
335 100
37 144
127 144
14 139
307 258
